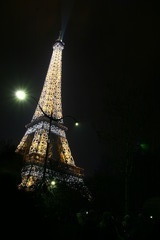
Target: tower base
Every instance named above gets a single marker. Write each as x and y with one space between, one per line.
33 175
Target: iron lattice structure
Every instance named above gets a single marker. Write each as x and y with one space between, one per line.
45 148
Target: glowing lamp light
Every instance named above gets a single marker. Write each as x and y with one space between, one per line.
20 95
53 183
77 124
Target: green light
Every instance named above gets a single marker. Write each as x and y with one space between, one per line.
77 124
20 95
144 146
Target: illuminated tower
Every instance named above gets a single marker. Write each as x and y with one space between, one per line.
45 148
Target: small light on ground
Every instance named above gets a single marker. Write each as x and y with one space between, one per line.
53 183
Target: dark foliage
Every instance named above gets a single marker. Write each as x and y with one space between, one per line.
64 212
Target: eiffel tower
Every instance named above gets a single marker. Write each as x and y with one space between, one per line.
46 152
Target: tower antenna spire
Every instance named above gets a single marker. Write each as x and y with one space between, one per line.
60 38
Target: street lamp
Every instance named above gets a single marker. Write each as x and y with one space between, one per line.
20 95
76 123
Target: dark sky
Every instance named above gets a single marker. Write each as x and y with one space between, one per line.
110 73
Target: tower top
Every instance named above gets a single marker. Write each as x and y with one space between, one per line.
60 37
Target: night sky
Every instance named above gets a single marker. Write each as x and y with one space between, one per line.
110 76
